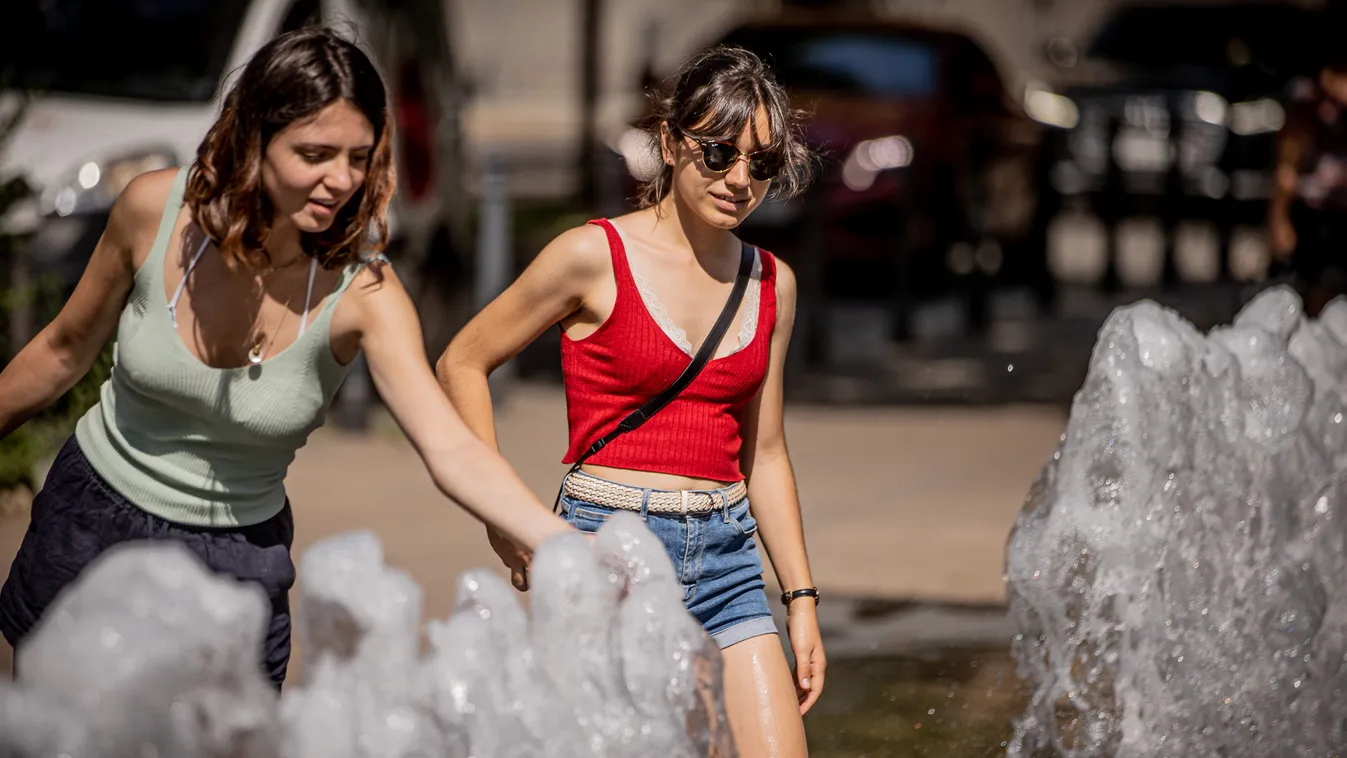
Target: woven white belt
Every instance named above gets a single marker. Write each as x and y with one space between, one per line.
591 489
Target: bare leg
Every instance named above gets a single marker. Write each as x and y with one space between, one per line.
760 700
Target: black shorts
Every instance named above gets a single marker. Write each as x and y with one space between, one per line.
77 515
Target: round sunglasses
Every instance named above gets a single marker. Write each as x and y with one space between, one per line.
720 157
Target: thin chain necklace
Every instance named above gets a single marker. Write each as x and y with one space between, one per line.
271 269
260 344
257 352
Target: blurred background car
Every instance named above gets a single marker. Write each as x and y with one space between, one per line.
105 91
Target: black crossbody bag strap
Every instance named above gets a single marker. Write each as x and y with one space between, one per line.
699 361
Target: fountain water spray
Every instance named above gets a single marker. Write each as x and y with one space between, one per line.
149 654
1178 573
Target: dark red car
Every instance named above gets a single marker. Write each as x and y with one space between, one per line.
930 170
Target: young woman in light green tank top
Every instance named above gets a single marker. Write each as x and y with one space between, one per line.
241 288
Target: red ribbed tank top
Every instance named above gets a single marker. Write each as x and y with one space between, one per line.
630 359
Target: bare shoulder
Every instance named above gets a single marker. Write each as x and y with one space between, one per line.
142 203
375 283
785 293
785 280
375 303
579 252
134 219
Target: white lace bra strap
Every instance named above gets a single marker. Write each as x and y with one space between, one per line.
173 304
308 295
752 301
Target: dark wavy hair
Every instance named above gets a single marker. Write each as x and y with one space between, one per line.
712 96
291 79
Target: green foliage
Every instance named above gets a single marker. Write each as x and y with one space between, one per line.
19 454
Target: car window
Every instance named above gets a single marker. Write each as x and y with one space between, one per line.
885 65
873 65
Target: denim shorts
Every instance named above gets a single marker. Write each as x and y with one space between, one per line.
715 558
77 515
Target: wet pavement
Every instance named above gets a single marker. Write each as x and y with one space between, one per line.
955 703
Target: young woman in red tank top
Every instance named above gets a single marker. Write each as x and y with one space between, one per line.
635 297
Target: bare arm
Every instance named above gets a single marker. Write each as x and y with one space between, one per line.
553 287
1291 145
462 466
776 504
765 460
62 352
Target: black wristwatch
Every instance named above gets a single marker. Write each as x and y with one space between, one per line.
786 597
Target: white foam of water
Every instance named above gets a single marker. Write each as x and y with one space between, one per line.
148 654
1176 573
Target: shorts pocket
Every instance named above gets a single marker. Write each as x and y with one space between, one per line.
742 517
586 517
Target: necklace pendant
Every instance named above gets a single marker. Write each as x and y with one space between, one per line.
255 355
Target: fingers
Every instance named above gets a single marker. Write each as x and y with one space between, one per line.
808 701
515 558
815 688
802 676
808 679
518 564
803 671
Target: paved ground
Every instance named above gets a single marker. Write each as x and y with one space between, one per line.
900 504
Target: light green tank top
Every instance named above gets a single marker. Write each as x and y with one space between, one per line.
200 445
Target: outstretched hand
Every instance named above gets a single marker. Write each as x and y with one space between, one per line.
515 558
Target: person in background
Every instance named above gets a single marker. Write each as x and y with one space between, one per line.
1307 220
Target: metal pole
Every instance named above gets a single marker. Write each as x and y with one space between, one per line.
591 13
494 250
810 348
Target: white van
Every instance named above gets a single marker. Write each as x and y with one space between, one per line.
126 86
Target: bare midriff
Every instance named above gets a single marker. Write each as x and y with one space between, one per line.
652 479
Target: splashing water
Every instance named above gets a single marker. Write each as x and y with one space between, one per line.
1178 573
150 655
